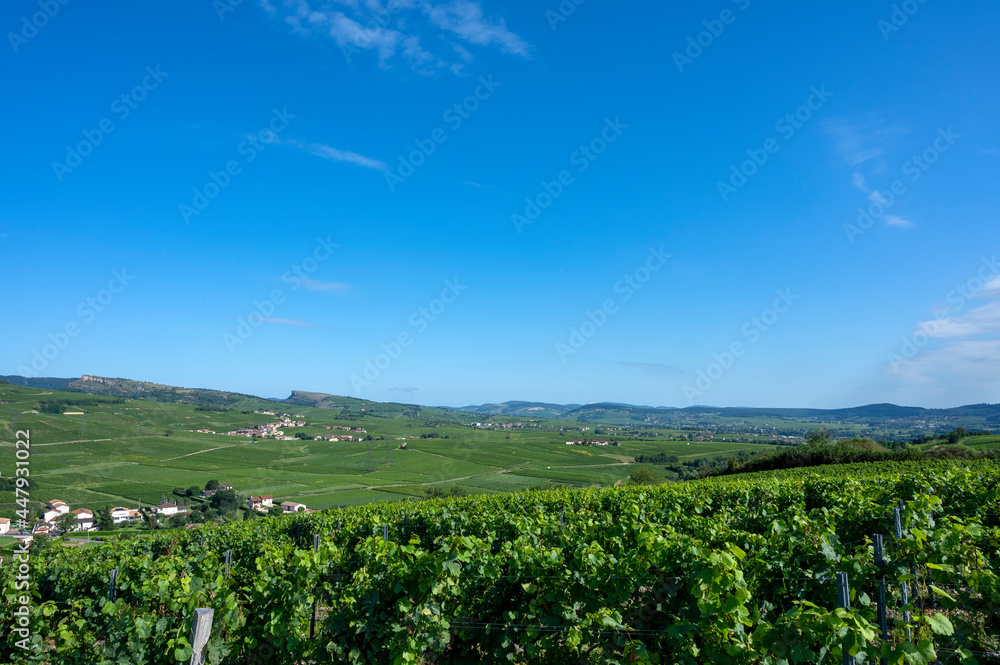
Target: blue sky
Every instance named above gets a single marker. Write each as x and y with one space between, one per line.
730 203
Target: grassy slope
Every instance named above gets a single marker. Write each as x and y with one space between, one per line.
124 457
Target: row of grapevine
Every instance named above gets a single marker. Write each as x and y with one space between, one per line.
732 570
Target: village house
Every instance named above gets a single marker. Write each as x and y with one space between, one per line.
208 494
292 507
84 519
167 509
4 525
261 503
119 514
55 509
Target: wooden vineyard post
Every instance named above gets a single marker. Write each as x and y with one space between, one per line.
844 601
201 630
113 585
883 619
312 621
229 561
903 589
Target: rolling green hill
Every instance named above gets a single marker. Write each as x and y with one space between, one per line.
95 450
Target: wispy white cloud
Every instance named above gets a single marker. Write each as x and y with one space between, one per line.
876 196
990 151
334 154
404 389
317 285
892 220
861 140
425 36
964 364
465 18
960 349
285 322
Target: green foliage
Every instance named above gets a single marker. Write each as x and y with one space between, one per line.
104 520
644 475
436 492
67 522
735 571
837 452
225 501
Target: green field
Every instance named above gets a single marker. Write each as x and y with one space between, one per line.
117 453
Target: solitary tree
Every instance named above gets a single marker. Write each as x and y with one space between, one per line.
821 435
225 501
104 521
67 522
644 475
212 485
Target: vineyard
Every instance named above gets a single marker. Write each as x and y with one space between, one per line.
890 562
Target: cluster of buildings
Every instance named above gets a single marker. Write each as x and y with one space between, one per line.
592 442
85 519
50 521
208 494
265 502
269 430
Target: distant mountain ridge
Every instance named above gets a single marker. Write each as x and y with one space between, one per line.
885 410
609 413
518 408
